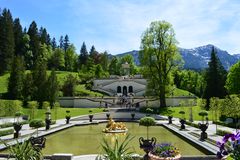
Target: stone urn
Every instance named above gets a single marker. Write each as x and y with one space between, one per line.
170 119
203 128
108 116
48 122
133 116
17 127
90 117
38 143
147 145
182 121
68 119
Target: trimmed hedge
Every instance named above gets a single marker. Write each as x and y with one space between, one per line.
36 123
155 110
222 132
231 125
6 132
192 124
53 122
10 124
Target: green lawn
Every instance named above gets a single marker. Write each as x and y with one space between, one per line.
60 113
195 111
180 92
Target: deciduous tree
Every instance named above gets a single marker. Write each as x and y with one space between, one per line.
233 82
159 56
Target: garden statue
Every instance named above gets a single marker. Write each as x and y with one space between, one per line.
115 127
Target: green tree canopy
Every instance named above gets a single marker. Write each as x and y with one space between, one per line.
159 57
233 82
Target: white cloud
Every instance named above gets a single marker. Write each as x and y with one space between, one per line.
117 26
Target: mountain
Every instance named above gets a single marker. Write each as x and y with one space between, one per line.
197 58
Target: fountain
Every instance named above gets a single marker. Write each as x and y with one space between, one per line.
115 127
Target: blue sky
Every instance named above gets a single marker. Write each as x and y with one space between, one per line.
117 25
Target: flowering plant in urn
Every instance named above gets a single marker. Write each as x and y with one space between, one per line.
164 151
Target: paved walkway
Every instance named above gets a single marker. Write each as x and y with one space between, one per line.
26 131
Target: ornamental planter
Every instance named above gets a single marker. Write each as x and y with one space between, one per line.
203 128
38 143
67 119
182 121
17 127
90 117
154 157
170 119
48 122
133 116
108 116
147 145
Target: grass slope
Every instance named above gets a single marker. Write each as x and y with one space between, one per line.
61 75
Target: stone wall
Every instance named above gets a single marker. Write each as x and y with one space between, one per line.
93 102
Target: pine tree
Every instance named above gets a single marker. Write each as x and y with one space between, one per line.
66 43
83 55
34 40
215 79
49 41
61 43
54 43
15 84
18 37
43 35
28 88
94 55
7 44
53 88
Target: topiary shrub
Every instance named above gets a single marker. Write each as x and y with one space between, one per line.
203 114
37 123
147 121
182 113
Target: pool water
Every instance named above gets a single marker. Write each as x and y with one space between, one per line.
87 139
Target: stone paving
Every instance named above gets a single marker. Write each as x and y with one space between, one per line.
26 131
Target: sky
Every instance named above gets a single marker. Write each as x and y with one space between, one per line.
117 25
